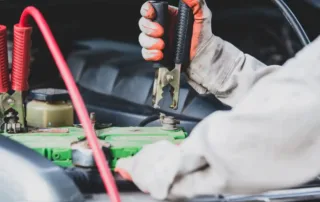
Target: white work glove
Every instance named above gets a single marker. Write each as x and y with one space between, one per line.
269 141
216 66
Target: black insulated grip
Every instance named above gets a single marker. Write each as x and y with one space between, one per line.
183 34
162 15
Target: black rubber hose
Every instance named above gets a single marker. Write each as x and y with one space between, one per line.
89 180
148 120
293 21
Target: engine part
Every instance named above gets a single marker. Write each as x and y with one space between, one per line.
82 155
96 125
56 144
27 176
288 195
148 120
89 180
49 108
168 122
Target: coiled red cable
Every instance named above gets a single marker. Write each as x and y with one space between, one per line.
21 58
76 98
4 76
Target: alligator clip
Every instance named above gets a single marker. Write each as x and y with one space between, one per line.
163 78
13 119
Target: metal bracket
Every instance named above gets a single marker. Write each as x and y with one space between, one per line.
13 112
82 155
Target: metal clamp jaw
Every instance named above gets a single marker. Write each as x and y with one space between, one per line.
163 78
13 112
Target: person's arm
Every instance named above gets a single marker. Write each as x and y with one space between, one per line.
225 71
269 141
216 66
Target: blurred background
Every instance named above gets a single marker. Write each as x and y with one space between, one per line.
99 38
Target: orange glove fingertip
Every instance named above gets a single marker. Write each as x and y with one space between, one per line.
157 31
124 174
158 46
147 11
156 57
150 13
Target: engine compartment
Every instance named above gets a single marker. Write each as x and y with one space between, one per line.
115 72
116 82
256 27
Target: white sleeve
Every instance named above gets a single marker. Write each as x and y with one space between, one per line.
270 140
225 71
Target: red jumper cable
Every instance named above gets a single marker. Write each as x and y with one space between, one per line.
20 53
12 103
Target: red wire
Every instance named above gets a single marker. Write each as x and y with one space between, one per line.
76 98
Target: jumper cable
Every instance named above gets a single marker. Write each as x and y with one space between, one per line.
12 96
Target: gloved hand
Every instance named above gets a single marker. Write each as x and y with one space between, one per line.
150 38
155 168
216 66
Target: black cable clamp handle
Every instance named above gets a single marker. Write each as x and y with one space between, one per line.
183 34
162 15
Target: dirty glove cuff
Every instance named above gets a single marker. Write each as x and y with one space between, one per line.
214 64
223 70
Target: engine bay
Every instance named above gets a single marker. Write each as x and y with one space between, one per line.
115 84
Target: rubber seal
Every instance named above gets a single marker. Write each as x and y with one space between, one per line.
49 95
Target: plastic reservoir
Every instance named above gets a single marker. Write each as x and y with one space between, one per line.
49 108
